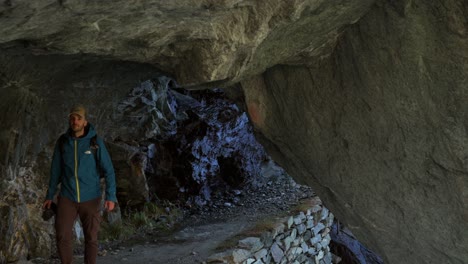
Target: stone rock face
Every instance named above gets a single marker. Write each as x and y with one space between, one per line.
36 93
379 128
291 245
198 41
372 115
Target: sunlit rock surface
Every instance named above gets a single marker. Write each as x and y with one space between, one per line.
363 100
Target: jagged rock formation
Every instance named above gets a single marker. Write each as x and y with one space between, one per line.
372 115
191 145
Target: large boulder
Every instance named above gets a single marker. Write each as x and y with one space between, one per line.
379 128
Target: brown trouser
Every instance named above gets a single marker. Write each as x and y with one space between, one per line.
67 211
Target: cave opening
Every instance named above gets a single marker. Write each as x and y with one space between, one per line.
230 172
178 152
207 160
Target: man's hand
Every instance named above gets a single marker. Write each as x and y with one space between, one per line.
109 206
47 204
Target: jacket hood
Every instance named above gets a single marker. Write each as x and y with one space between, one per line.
89 132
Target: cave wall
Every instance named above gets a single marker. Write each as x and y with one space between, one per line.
379 128
201 42
36 94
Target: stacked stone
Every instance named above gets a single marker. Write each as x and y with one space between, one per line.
303 238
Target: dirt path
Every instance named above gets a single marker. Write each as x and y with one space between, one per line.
202 232
189 245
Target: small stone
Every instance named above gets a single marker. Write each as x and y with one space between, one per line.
239 255
327 258
307 235
294 233
279 238
320 255
312 251
249 261
316 208
278 230
267 239
326 231
297 242
330 219
316 239
251 243
302 259
318 246
299 218
261 254
304 247
290 221
276 253
324 213
287 242
301 229
319 227
325 241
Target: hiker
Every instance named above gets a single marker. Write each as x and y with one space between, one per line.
79 160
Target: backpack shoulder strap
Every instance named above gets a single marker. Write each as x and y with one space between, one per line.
61 143
93 143
94 146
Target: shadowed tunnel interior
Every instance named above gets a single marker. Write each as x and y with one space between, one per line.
365 101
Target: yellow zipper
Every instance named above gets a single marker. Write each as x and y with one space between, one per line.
76 173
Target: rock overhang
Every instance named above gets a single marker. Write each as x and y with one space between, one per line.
198 42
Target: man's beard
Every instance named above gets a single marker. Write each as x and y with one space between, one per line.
77 128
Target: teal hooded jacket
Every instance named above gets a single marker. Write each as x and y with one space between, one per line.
74 166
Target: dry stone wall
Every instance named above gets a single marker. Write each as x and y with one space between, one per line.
301 238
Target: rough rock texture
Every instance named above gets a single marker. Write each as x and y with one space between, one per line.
198 41
189 144
229 152
301 238
379 129
214 151
36 93
375 119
